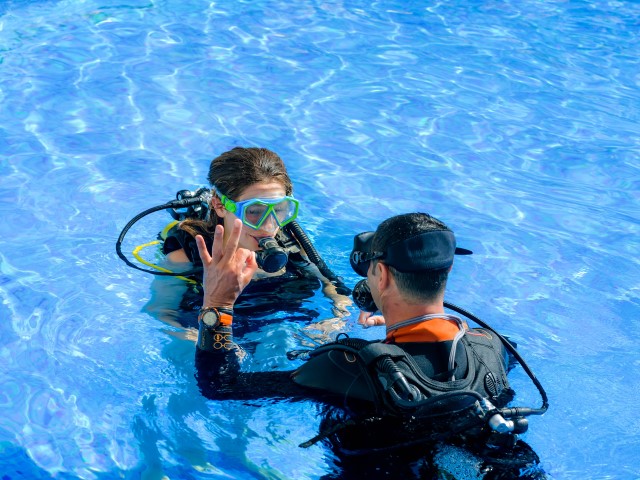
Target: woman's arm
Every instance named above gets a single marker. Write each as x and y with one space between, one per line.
341 302
219 378
179 256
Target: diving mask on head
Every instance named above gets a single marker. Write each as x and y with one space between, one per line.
361 254
254 212
360 259
428 251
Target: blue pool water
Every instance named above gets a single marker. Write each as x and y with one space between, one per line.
516 122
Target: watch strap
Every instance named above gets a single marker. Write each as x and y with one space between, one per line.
225 315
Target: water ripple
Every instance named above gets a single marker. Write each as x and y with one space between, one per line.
516 123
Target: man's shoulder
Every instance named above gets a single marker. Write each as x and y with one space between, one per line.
335 368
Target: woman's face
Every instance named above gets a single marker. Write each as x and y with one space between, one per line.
249 237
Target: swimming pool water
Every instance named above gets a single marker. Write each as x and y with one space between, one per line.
517 123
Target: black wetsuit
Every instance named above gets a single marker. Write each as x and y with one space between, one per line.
363 437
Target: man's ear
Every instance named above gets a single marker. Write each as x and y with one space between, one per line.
216 204
384 276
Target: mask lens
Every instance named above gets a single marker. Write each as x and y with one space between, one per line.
361 257
256 211
286 211
254 214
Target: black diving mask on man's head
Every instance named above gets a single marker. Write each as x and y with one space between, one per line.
428 251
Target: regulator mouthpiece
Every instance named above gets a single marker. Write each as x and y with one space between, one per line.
362 297
272 257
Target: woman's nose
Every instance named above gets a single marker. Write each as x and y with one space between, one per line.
269 225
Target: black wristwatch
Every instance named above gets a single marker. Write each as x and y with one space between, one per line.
212 316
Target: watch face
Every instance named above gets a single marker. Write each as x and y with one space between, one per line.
210 318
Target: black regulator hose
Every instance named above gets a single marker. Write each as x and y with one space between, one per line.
181 203
516 410
296 230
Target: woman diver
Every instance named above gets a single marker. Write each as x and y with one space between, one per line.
247 183
252 184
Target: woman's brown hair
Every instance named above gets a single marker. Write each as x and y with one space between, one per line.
231 173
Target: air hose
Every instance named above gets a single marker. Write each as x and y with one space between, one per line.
516 411
199 197
296 230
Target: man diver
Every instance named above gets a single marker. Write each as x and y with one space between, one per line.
431 379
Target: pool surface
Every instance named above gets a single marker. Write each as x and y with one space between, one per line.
515 122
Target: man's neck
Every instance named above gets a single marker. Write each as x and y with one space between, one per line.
399 313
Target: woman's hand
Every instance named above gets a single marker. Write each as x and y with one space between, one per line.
227 270
368 319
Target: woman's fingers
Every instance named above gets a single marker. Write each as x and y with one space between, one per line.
233 240
228 269
202 249
363 316
246 264
218 241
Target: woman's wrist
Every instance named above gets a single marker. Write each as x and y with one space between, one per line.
218 306
215 332
217 303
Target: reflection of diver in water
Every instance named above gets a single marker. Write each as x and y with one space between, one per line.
251 184
391 405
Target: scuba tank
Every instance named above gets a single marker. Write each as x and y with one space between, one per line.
401 392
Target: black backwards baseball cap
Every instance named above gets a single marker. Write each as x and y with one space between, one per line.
431 250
